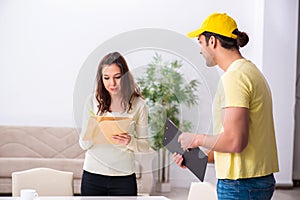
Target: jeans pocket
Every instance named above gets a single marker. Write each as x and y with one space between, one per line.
261 194
227 189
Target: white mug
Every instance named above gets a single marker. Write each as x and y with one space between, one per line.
28 194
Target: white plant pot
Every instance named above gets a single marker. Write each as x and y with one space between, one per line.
163 187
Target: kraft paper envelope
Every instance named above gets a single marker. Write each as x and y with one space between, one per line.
101 129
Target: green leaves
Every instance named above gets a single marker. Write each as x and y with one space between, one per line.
165 89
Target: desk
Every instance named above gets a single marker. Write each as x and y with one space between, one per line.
93 198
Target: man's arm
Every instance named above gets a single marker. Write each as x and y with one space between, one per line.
210 155
234 138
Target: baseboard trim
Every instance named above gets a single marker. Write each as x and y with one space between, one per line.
284 186
296 183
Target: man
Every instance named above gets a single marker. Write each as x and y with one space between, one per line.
243 142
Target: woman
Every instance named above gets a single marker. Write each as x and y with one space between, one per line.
109 168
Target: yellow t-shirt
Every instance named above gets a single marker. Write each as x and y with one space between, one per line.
243 85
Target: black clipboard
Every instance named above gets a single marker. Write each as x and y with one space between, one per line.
194 159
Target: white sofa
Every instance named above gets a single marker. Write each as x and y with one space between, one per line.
23 148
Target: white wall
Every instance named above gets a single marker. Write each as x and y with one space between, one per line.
280 66
296 165
44 44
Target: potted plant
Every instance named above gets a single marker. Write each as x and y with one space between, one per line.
165 90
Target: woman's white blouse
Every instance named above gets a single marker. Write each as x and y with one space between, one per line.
111 159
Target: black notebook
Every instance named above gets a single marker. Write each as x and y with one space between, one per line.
194 159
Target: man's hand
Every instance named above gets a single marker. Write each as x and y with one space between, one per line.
178 159
188 140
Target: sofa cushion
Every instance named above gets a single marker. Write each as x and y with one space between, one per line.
23 148
20 164
39 142
63 164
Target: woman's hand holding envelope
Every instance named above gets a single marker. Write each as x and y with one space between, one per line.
108 130
123 138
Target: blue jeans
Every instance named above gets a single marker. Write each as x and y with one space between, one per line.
260 188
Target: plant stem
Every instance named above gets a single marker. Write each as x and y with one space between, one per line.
163 165
159 178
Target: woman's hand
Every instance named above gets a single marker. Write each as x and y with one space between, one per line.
123 138
178 159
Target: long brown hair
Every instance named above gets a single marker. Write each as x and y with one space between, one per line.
129 89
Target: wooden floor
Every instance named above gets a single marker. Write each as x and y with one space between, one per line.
182 194
279 194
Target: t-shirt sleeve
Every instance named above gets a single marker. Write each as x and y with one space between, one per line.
237 89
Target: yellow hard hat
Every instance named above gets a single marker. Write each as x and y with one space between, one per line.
219 23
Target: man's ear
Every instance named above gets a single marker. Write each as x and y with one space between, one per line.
212 41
